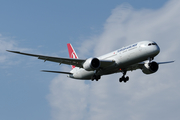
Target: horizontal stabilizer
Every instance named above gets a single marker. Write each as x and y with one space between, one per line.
56 72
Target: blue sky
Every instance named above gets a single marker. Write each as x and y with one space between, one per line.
46 27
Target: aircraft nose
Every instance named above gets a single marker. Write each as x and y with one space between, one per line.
156 49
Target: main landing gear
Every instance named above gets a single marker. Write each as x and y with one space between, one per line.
96 77
123 78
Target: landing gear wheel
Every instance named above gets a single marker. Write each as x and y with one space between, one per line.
92 78
96 77
127 78
123 78
120 80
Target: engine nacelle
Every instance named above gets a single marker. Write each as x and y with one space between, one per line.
150 68
91 64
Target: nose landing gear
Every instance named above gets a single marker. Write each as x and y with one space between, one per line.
123 78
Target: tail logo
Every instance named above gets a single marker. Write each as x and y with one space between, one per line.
73 55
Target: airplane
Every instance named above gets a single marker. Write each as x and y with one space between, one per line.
139 55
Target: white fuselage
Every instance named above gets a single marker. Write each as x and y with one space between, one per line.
125 58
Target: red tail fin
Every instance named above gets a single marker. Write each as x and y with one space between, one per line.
72 53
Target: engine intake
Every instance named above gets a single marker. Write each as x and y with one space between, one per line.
150 68
91 64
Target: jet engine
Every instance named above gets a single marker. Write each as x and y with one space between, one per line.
91 64
150 68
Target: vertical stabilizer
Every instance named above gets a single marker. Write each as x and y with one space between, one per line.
72 53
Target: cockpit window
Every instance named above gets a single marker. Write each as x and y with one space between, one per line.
152 44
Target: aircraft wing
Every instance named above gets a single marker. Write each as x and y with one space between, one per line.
140 65
165 62
68 61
